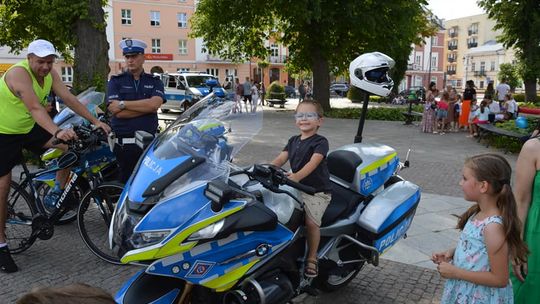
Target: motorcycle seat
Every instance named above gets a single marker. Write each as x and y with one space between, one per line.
343 164
344 202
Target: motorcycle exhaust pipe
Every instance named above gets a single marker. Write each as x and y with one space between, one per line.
272 290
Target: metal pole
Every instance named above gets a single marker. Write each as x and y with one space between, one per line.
358 137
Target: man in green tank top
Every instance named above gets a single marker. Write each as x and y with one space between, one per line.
25 123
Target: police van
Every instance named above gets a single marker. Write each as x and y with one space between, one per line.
184 89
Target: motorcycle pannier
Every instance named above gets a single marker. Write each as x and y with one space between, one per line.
363 168
389 215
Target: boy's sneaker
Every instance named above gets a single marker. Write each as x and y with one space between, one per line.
6 262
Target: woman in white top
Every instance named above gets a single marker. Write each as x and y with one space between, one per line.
255 96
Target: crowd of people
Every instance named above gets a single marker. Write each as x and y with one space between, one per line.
248 95
447 111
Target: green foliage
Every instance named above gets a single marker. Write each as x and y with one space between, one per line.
355 94
56 21
381 113
276 91
321 35
520 98
519 21
509 72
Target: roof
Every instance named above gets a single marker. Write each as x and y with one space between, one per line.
486 48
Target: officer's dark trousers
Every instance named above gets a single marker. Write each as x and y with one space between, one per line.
127 156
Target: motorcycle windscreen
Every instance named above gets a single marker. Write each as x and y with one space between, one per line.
206 136
90 98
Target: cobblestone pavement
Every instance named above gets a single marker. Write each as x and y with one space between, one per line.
436 165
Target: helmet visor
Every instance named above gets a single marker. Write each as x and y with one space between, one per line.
378 75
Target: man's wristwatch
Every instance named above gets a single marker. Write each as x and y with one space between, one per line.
121 105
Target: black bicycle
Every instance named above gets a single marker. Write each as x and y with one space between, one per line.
28 218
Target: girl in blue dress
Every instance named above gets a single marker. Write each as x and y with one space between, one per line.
478 268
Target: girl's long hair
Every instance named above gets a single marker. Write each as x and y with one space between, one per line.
483 104
496 171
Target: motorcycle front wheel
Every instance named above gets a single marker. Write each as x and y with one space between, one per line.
94 218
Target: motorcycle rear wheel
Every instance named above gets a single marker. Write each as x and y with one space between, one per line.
331 282
94 218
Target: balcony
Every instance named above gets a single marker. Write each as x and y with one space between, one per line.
451 59
452 47
214 57
453 34
472 44
480 73
277 59
451 72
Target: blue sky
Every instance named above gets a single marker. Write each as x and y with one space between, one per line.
453 9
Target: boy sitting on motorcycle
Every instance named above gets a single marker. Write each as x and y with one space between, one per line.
307 156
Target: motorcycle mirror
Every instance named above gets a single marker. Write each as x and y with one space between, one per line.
143 139
67 160
219 193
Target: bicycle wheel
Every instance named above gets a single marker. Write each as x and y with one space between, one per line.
94 217
20 212
80 187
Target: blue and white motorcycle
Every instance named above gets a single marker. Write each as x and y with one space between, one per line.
207 231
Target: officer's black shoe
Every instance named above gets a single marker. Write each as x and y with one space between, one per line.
6 262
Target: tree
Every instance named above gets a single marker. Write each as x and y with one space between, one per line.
519 21
321 35
78 24
510 73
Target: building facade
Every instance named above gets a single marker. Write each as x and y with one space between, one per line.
164 26
471 51
426 63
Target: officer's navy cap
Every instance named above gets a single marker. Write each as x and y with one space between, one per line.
132 46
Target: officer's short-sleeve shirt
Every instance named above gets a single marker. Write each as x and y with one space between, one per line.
125 87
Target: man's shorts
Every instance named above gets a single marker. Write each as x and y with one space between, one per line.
315 205
11 146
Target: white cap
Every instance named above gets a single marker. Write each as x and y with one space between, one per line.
41 48
132 46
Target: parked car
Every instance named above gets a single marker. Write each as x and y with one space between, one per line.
339 89
182 90
290 92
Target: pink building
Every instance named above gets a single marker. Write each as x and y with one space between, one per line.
164 26
426 63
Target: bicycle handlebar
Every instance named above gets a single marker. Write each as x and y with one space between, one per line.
87 136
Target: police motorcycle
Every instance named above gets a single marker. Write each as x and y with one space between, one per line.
207 231
100 159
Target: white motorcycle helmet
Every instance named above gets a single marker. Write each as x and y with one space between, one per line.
369 72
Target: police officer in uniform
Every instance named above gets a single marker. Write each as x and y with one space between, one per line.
133 98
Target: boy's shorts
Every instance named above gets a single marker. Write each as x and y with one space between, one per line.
315 205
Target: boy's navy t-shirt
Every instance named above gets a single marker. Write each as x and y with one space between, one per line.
300 152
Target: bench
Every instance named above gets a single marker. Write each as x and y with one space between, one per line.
271 102
411 116
486 129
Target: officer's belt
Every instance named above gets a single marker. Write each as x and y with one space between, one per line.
124 140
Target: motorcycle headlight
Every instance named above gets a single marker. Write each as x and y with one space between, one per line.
145 239
207 232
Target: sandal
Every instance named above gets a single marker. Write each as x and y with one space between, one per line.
311 269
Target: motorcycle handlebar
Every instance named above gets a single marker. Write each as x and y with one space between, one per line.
274 176
307 189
